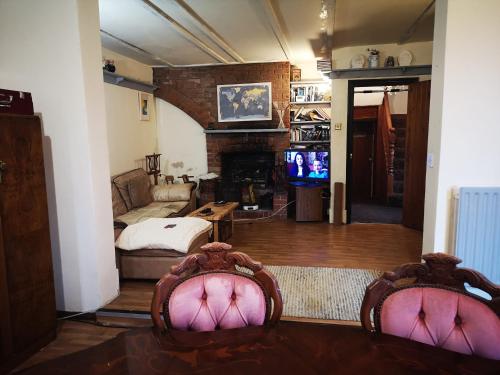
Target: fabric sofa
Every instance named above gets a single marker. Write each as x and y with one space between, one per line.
135 199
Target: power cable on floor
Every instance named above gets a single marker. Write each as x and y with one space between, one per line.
266 217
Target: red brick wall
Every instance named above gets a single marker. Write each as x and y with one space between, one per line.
194 90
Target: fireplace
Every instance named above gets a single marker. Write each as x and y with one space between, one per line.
247 177
254 156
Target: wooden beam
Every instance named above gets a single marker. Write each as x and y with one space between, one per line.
135 48
212 34
186 33
274 21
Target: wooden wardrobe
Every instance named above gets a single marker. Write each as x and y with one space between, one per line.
27 301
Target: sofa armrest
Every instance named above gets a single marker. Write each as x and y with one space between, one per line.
172 192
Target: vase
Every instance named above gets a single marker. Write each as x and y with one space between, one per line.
372 61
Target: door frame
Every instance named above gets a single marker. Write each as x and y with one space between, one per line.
351 85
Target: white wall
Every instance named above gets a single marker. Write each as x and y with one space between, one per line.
422 53
129 138
129 67
181 141
52 49
464 130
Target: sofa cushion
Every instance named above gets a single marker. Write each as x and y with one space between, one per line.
119 207
139 191
152 210
121 182
172 192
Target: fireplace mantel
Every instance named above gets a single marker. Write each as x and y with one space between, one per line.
226 131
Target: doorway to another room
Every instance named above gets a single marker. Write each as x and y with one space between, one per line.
387 124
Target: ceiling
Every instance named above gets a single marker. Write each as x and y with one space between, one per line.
207 32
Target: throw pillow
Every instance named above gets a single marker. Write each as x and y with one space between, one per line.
139 191
172 192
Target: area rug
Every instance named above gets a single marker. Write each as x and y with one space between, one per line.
322 293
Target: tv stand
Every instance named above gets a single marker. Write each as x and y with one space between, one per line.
309 202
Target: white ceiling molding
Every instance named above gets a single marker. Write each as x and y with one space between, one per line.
186 33
277 28
212 34
411 30
135 48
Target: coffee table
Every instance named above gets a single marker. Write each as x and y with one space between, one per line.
220 213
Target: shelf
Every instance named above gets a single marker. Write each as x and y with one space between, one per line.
116 79
310 122
321 102
411 70
226 131
302 83
308 142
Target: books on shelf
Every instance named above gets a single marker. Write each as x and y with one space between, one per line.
309 114
313 133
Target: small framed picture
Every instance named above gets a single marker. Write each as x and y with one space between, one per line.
144 106
300 98
296 74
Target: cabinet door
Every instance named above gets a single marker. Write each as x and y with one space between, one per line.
25 233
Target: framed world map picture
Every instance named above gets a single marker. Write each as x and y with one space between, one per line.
244 102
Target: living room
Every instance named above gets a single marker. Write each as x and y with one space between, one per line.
93 130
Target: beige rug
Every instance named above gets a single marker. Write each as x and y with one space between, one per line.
322 293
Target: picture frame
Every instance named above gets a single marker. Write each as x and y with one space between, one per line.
144 106
296 74
244 102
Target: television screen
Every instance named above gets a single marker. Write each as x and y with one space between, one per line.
307 165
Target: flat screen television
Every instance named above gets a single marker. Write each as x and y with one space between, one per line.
307 165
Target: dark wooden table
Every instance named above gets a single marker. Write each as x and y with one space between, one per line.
288 348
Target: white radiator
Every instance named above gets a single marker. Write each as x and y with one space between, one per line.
477 230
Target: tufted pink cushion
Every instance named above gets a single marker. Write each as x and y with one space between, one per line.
442 318
216 300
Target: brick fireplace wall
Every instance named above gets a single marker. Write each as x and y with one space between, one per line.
194 90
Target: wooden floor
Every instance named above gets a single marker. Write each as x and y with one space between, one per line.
370 246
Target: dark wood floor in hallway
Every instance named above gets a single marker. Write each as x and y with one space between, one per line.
375 246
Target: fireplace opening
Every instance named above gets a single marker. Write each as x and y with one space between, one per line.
247 177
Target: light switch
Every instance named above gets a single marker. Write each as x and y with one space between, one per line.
430 160
338 126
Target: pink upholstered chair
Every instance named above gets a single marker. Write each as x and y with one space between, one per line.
205 292
428 302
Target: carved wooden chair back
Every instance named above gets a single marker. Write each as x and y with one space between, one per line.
206 292
428 302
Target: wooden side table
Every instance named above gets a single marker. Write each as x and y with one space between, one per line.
220 213
309 205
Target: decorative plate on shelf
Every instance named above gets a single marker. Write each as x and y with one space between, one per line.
405 58
358 61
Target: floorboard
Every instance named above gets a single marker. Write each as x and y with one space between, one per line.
287 243
370 246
